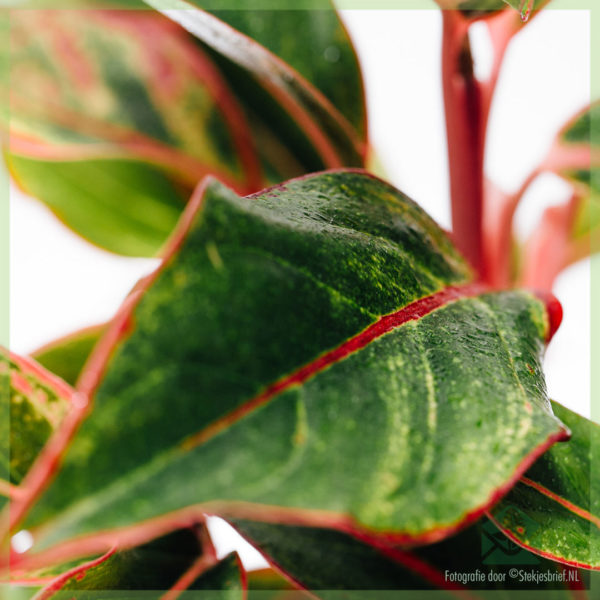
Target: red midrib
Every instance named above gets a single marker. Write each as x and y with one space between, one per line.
412 312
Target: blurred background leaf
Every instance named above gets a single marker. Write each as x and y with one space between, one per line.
116 115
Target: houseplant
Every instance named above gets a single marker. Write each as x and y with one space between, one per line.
332 302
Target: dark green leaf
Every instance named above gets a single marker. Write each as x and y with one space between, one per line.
328 62
155 566
323 560
256 354
226 576
555 509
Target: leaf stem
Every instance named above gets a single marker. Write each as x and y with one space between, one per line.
465 130
547 250
499 215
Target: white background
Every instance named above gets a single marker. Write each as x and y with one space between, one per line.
60 283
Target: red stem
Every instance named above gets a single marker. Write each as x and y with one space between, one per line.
547 249
499 214
483 239
465 130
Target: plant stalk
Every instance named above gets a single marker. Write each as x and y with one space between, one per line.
465 131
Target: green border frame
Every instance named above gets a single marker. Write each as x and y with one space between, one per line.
591 5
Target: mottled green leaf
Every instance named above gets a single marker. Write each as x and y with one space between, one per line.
116 115
156 566
327 561
555 509
66 356
256 354
36 403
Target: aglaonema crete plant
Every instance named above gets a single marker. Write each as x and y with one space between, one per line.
356 391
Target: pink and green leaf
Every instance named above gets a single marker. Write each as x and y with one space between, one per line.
281 325
576 152
570 231
116 115
332 135
554 510
580 140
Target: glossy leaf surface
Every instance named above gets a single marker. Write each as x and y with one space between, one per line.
555 509
323 560
264 352
116 115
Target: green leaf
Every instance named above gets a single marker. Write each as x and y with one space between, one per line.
325 562
575 156
17 592
36 402
66 356
116 115
279 327
473 8
156 566
524 6
124 206
576 152
482 8
554 510
261 580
